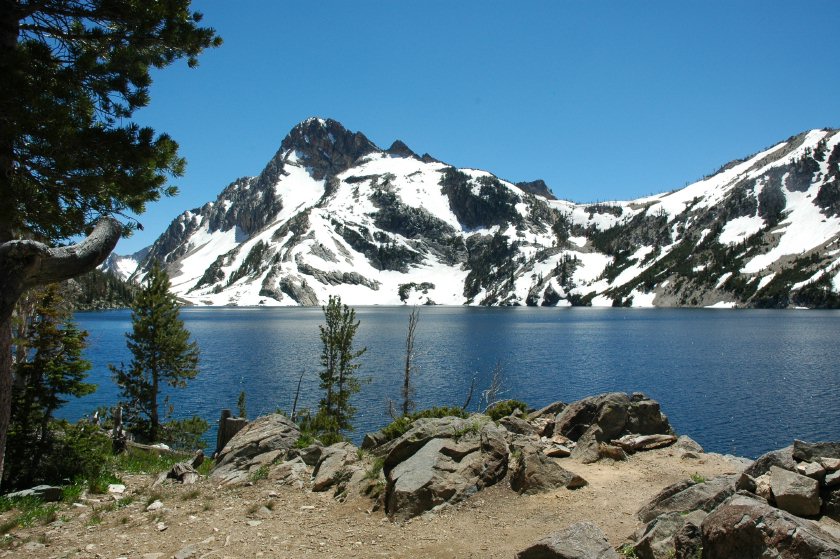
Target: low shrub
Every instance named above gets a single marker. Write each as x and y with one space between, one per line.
401 425
504 408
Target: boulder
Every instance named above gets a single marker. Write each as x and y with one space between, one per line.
332 467
636 443
373 440
534 472
813 470
444 469
551 410
583 540
686 443
746 527
812 452
687 496
658 539
518 425
46 493
831 503
424 430
832 479
688 541
795 493
614 414
783 458
262 441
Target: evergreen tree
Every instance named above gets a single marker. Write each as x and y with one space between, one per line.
162 354
49 368
338 377
74 72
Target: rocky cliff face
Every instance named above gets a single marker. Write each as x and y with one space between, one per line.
333 214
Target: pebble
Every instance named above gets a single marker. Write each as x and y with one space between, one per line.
254 522
160 526
117 488
151 556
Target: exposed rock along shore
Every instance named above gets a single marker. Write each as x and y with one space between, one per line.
593 478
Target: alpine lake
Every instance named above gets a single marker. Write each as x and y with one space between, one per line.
741 382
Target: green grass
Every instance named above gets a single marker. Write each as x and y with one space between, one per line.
30 511
260 473
697 478
627 550
375 468
139 461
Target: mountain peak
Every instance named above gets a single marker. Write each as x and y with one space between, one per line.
537 187
325 146
399 149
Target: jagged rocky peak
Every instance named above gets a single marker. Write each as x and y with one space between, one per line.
326 147
537 187
399 149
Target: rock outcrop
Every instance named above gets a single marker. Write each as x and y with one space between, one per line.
442 461
582 540
769 510
258 444
745 526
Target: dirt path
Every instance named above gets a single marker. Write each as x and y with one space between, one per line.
269 520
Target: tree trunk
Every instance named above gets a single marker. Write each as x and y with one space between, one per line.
25 264
5 383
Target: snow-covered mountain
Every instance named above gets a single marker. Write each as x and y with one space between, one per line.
124 266
333 214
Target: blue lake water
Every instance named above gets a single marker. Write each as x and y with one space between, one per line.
741 382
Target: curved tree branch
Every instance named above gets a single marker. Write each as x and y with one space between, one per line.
59 264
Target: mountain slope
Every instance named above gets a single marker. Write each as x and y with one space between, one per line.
332 213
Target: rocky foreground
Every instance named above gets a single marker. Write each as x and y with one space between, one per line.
597 478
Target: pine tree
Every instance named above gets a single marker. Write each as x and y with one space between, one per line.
50 368
74 73
162 354
338 378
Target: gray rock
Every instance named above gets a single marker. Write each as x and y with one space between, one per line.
684 442
688 541
746 527
186 552
615 413
812 452
688 496
657 541
587 449
46 493
813 470
421 432
265 439
373 440
783 458
746 483
832 479
831 503
550 410
534 472
583 540
310 455
795 493
445 470
332 468
517 425
830 464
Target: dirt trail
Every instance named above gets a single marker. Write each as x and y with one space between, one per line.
270 520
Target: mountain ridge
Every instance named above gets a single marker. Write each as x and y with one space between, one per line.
332 213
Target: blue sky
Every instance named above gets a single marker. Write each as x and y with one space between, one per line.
601 99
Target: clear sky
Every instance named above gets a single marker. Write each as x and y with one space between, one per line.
601 99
